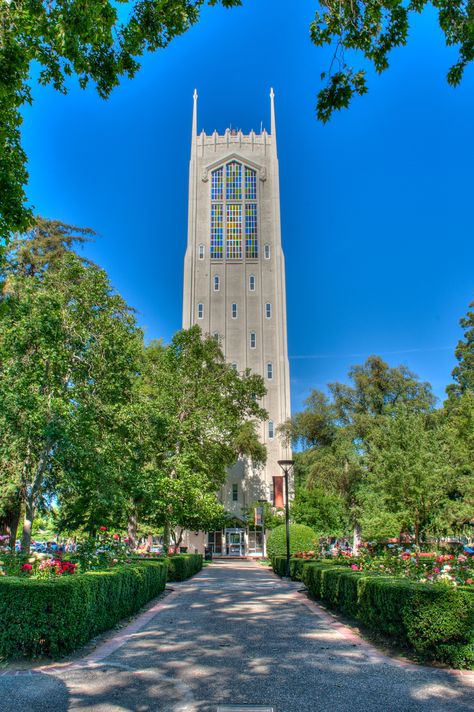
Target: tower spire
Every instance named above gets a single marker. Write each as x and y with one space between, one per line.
194 128
272 117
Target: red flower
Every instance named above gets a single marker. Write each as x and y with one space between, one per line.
103 529
116 536
27 567
469 580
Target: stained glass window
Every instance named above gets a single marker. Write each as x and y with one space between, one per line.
233 181
251 243
250 184
216 184
217 231
234 231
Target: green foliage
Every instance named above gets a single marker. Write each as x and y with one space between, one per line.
463 373
64 39
436 621
182 566
375 28
324 513
296 566
302 538
335 430
408 472
53 617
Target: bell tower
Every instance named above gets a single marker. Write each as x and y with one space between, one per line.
234 278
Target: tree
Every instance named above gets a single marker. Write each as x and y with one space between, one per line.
334 428
408 472
66 38
68 351
325 513
375 28
463 373
204 411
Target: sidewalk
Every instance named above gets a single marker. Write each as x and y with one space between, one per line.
235 634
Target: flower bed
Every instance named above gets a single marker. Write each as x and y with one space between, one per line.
52 617
436 621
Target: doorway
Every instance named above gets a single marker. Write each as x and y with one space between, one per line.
234 542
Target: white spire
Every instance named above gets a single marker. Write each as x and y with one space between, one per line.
194 128
272 118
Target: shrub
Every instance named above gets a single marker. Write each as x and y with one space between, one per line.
302 538
436 621
55 616
182 566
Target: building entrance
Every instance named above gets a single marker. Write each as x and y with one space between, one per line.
234 542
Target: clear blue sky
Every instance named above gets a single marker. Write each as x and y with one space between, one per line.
376 207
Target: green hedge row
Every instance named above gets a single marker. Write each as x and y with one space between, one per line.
182 566
436 621
296 566
53 617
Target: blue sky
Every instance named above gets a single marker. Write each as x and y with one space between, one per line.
376 206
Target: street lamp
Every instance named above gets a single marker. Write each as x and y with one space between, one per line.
286 466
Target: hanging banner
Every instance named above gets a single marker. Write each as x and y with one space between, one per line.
258 516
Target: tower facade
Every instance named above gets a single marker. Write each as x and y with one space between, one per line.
234 288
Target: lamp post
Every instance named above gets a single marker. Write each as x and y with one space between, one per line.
286 466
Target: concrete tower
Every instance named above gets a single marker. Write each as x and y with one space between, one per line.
234 288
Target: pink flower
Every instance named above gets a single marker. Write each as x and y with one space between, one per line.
354 567
436 570
462 558
103 529
26 567
116 536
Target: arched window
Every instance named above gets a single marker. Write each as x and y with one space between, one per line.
252 283
202 252
200 311
271 430
233 311
216 282
253 340
266 251
268 310
269 370
234 212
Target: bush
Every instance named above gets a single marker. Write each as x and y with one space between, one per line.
53 617
436 621
296 566
182 566
302 538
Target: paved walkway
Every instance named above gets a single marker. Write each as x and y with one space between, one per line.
236 634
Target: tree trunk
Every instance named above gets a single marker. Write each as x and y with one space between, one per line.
28 524
356 539
166 536
9 522
132 529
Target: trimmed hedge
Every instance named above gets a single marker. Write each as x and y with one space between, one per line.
302 538
296 566
436 621
182 566
55 616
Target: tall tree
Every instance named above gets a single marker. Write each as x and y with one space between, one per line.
335 428
68 351
463 373
408 473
